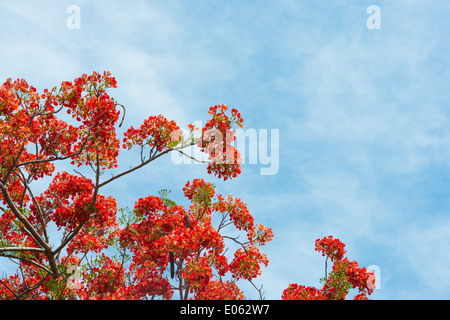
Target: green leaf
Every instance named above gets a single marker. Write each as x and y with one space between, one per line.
163 194
173 144
169 203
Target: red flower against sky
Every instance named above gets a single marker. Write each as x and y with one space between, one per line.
332 248
345 275
162 247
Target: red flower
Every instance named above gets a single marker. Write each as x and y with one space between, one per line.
332 248
344 276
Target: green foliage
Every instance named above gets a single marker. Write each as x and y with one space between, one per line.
339 281
163 194
128 217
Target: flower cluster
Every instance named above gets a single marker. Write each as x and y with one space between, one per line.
102 280
194 251
345 275
220 290
161 135
90 104
199 192
69 202
247 263
9 102
332 248
27 117
197 273
299 292
156 132
217 142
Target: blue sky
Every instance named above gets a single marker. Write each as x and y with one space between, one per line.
363 115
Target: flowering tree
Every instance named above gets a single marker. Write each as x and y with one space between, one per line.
344 276
156 242
162 248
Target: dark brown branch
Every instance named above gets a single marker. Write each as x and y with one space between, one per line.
83 144
124 111
41 216
23 219
37 285
172 264
238 242
193 158
87 180
133 169
261 297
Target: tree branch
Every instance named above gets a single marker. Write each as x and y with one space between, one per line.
70 237
23 219
261 297
21 249
83 144
37 285
41 215
133 169
238 242
193 158
124 111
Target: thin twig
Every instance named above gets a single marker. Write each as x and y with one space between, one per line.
124 111
193 158
261 297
